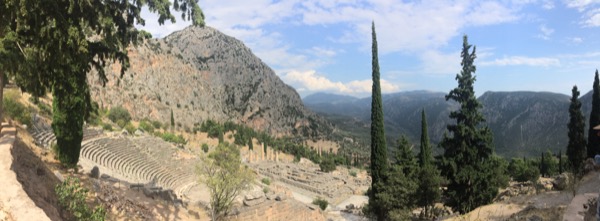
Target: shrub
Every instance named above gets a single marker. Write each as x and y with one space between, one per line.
119 113
145 125
121 123
266 181
156 124
169 137
327 165
71 196
107 127
16 110
205 148
130 128
352 173
266 189
321 203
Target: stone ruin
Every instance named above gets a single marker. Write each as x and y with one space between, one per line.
258 206
332 186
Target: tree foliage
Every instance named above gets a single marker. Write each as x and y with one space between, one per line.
225 176
467 160
523 170
52 45
593 145
576 148
379 161
428 191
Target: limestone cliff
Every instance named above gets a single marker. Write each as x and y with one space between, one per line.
200 73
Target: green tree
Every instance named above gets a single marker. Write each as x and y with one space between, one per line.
379 161
523 170
466 162
172 120
52 45
593 145
576 147
405 159
428 191
225 176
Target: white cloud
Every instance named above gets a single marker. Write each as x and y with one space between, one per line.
311 81
581 4
575 40
549 4
522 60
546 32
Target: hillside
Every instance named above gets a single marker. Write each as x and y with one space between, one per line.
524 123
200 73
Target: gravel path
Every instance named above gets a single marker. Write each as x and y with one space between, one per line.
13 198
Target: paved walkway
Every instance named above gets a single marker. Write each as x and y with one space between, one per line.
12 197
587 190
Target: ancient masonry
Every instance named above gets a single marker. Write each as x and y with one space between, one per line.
145 160
332 186
258 206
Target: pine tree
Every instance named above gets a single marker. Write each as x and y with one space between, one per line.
467 161
576 147
379 164
593 145
428 191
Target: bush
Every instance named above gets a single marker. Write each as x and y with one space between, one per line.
327 164
523 170
107 127
169 137
156 124
121 123
17 111
146 126
352 173
205 148
130 128
266 181
71 196
321 203
119 113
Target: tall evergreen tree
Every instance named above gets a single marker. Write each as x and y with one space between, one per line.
593 145
576 147
379 161
467 161
54 44
428 191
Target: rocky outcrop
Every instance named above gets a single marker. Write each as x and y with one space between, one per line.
200 73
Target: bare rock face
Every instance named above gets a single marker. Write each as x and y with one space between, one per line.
200 73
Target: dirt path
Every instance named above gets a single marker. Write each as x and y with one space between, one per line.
14 200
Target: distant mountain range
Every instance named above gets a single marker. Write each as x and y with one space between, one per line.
524 123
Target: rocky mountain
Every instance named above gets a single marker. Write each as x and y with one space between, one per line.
523 123
200 73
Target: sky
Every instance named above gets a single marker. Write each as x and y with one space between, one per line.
325 45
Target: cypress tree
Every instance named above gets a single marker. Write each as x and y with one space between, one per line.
379 164
172 120
593 145
428 191
576 147
543 166
467 161
560 163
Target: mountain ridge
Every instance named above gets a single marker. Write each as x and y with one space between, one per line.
199 73
523 122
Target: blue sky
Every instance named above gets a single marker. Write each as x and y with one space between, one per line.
324 45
